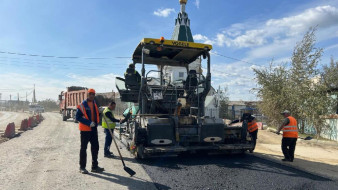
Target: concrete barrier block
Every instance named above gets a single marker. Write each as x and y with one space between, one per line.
260 125
24 125
10 130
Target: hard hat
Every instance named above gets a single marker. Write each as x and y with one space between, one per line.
91 90
285 111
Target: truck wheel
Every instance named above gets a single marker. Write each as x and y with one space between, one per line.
140 152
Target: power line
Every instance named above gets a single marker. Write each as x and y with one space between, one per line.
231 58
56 67
62 57
57 63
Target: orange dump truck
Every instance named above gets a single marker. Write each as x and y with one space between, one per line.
70 99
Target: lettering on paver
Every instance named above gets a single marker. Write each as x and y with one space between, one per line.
182 44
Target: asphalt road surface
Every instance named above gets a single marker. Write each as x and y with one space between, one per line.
230 172
47 158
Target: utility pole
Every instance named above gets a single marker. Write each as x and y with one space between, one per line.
34 99
9 103
18 98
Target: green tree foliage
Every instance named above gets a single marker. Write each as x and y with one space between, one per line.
223 103
273 91
330 78
49 105
297 87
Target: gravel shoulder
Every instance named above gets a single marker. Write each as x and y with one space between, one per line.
313 156
47 158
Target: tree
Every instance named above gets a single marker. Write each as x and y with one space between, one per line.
303 70
273 92
298 87
330 78
49 105
223 103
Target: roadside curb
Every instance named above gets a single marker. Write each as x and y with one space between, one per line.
278 161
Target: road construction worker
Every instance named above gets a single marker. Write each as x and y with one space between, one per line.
108 122
88 116
252 125
290 135
132 74
253 129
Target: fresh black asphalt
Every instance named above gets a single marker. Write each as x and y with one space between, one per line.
229 172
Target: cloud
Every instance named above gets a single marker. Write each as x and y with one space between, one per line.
164 12
276 31
197 3
49 87
200 37
205 39
332 47
261 41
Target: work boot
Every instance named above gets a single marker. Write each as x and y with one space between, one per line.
97 169
83 171
109 155
284 160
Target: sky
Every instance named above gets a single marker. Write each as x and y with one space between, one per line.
52 43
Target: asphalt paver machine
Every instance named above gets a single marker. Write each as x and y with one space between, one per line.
167 117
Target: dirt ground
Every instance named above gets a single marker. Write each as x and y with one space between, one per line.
311 155
47 157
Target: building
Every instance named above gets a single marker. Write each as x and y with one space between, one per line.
236 109
182 32
211 105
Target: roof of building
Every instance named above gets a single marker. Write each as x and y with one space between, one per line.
242 103
182 30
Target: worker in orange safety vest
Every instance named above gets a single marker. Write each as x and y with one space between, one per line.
290 135
253 130
88 116
252 125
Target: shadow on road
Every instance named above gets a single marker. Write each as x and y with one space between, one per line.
130 182
240 161
324 169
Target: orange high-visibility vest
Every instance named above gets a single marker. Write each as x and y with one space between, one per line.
252 126
291 130
82 108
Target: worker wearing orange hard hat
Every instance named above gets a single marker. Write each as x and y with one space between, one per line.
88 116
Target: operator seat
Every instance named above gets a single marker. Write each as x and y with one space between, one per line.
131 79
191 81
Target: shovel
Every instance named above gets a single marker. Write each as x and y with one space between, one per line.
128 170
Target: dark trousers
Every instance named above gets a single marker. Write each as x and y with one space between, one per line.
254 137
288 147
108 141
89 136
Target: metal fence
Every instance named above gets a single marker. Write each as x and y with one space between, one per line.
329 132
